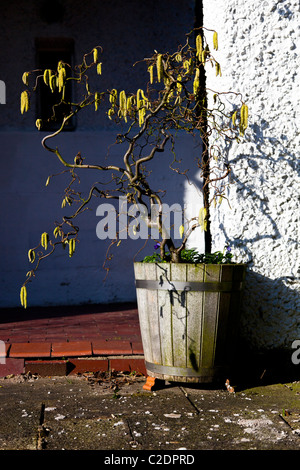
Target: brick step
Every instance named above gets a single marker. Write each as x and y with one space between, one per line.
72 348
64 358
73 365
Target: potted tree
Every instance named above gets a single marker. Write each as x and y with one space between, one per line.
188 302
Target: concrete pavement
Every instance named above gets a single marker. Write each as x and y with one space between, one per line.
116 415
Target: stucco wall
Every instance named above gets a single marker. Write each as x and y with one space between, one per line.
127 31
259 56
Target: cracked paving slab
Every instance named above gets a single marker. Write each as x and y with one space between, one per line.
72 414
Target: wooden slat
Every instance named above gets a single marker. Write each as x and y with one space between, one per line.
165 316
139 269
153 314
179 317
209 321
194 321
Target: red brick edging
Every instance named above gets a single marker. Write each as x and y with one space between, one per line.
72 357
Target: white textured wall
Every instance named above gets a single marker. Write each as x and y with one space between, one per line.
259 54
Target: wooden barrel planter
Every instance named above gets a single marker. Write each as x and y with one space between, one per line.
189 318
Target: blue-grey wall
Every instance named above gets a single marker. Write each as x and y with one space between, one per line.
127 31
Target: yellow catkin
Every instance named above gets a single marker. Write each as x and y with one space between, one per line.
245 113
139 100
61 76
187 65
97 100
202 218
244 118
24 102
31 255
218 69
159 66
71 247
233 118
44 240
38 124
144 102
46 76
142 113
99 68
110 113
242 129
178 84
52 82
215 40
95 55
196 83
56 232
199 47
25 78
129 103
23 296
150 70
113 96
122 103
170 96
143 95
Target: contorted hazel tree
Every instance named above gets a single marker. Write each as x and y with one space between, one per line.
173 100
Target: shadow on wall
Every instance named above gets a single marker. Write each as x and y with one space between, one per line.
269 313
262 227
261 177
269 340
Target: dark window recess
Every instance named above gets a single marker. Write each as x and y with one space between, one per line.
49 52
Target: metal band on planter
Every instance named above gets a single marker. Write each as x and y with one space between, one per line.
224 286
179 371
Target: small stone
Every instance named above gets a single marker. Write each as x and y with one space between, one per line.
172 415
